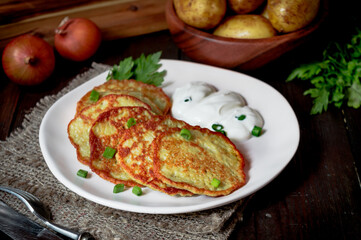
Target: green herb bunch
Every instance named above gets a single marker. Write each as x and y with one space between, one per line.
144 69
336 79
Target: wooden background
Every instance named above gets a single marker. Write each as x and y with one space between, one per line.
115 18
318 194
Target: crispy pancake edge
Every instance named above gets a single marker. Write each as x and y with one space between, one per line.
157 91
94 141
82 159
191 188
154 183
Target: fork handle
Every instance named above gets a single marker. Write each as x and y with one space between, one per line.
68 232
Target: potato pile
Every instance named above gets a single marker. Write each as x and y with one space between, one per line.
247 18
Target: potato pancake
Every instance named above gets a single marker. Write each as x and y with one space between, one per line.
159 102
135 157
79 127
194 164
146 145
106 132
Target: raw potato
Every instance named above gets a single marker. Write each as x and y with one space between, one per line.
245 26
204 14
288 16
244 6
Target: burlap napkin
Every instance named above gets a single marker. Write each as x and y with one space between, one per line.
22 166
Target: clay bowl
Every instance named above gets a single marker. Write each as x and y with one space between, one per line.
242 54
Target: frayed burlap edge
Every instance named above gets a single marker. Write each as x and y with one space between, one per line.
22 166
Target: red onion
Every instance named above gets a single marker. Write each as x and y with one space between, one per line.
77 39
28 60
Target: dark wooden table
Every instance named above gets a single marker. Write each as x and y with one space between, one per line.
317 196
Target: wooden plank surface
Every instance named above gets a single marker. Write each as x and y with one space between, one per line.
115 18
13 11
317 196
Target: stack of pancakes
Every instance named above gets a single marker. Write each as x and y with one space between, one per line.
152 152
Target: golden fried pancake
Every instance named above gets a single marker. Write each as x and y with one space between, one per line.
135 157
79 127
153 96
193 164
106 132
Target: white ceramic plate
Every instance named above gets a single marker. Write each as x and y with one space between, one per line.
266 156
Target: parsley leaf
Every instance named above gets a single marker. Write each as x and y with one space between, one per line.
320 96
123 70
305 71
144 69
336 78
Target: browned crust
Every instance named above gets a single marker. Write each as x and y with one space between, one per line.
126 86
146 176
97 146
156 91
112 98
157 144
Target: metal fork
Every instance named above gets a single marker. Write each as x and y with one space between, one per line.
37 208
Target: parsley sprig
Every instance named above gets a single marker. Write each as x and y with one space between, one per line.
335 79
144 69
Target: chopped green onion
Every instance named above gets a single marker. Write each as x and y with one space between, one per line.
137 190
256 131
109 152
131 122
242 117
94 96
215 182
185 133
118 188
217 127
82 173
188 99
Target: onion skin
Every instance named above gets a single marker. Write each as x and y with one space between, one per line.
77 39
28 60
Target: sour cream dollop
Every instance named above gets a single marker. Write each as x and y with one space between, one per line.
199 103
